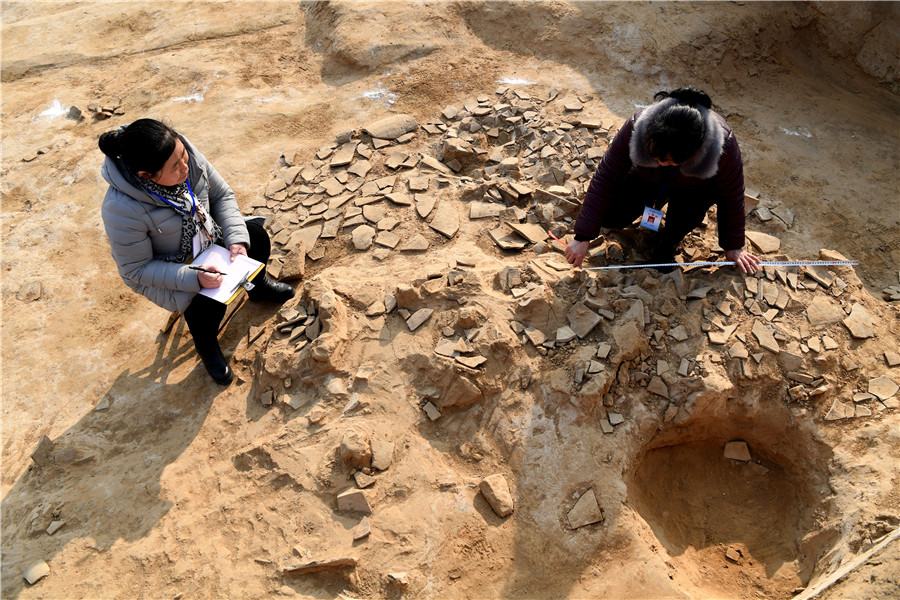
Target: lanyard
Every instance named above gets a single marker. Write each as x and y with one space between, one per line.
656 203
176 207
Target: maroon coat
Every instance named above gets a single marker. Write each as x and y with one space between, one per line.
717 162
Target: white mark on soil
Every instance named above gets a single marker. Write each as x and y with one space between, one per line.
801 131
56 110
514 81
197 96
379 94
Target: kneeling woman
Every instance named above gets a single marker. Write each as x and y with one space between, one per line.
166 204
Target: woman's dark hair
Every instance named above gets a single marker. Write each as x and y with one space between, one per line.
144 145
678 131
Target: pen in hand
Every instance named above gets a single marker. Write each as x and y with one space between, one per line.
207 271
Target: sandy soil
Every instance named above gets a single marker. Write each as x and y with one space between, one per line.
169 486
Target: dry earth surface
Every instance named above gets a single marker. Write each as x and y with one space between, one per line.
600 406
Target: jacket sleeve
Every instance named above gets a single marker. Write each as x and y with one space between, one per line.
132 250
222 204
610 173
730 191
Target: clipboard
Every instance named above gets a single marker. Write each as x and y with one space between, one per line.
241 270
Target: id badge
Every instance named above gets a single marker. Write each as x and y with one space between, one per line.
197 244
651 219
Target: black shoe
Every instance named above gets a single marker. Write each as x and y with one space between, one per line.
215 364
266 290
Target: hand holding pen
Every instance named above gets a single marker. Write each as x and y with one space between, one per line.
209 276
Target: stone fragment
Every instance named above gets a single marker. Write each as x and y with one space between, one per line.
363 480
54 526
658 387
738 350
431 410
839 410
495 490
603 349
387 239
418 317
629 339
316 566
891 358
737 450
417 243
42 455
390 128
822 311
564 335
473 362
582 319
355 501
859 322
382 454
343 156
733 554
764 336
678 333
399 579
446 219
294 264
882 387
362 530
36 572
363 237
530 231
764 242
586 511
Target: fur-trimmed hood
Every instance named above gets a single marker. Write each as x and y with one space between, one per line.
703 164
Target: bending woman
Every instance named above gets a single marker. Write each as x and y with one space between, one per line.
679 152
166 204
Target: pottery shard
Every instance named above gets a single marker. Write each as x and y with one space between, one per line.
737 450
822 311
363 236
765 337
765 242
860 322
294 264
390 128
315 566
382 454
582 319
417 243
418 317
36 572
629 339
461 392
446 219
586 511
42 455
496 491
658 387
839 410
883 387
354 500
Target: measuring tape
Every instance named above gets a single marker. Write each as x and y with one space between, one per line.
764 263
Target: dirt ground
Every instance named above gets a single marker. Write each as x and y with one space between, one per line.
171 487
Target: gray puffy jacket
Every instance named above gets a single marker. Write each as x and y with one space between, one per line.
144 231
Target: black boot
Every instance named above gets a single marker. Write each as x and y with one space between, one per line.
267 290
214 361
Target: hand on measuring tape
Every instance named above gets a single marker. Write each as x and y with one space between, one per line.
743 260
576 251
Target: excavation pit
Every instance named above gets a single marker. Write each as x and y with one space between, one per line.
724 521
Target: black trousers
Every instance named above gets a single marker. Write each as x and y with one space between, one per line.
686 208
204 315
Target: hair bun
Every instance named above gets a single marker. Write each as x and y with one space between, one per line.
688 96
111 143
